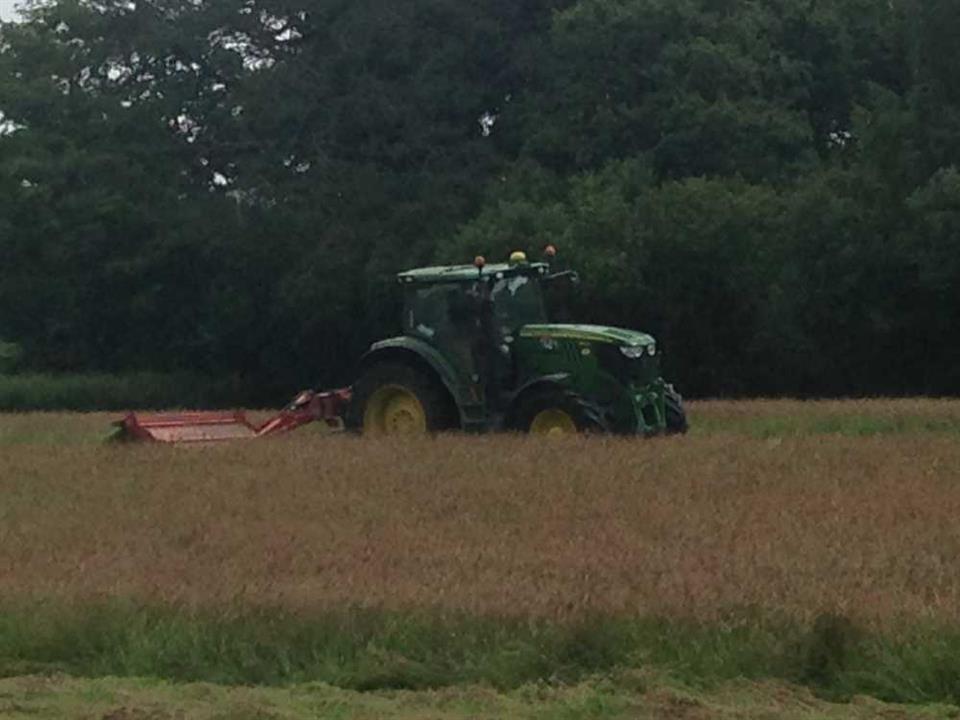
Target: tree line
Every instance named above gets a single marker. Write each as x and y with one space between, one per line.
770 188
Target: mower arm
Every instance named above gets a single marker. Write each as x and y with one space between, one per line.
192 427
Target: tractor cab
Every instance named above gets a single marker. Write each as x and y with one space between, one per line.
472 314
454 299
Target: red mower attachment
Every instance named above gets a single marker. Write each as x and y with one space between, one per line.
203 427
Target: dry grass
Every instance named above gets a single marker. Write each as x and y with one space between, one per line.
690 527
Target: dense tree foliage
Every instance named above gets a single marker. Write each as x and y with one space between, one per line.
771 188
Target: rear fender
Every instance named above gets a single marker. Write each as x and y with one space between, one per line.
418 353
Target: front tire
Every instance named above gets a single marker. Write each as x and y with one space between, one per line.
397 399
676 416
557 412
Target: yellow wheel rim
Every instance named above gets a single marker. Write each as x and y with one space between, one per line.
394 410
553 422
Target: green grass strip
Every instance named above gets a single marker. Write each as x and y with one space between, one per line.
367 650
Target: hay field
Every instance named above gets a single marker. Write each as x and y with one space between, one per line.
791 508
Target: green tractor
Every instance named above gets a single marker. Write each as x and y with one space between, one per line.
479 354
476 354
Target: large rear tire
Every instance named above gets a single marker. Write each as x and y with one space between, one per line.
556 411
676 416
397 399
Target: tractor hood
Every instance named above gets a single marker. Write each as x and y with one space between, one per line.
589 333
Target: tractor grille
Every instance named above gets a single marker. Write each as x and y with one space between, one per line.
637 371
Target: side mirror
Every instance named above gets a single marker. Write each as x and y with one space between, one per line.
570 275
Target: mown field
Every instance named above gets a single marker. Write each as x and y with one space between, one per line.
812 547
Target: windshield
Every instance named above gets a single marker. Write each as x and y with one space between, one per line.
518 301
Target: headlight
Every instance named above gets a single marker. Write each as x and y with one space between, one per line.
637 351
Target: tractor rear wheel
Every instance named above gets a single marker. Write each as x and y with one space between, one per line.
557 412
396 399
676 416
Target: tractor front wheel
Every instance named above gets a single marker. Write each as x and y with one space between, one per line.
676 416
396 399
557 412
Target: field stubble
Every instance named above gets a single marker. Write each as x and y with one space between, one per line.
768 507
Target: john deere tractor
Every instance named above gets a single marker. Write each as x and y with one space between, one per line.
478 354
